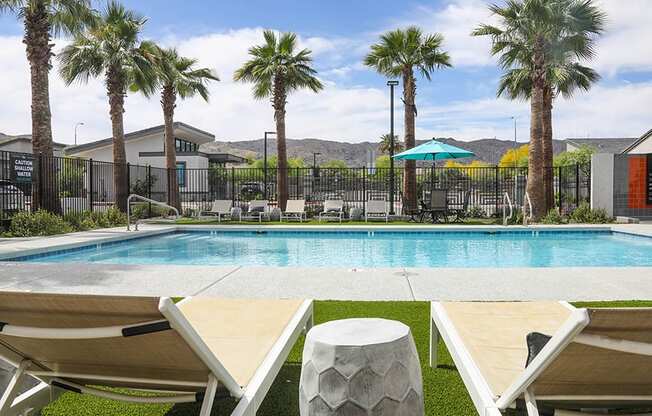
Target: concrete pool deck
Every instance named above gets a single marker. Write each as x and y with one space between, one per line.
567 283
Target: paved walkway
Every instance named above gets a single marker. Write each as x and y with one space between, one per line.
576 283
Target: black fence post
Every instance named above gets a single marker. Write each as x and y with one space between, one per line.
128 179
560 189
577 185
364 188
233 185
90 184
148 181
496 184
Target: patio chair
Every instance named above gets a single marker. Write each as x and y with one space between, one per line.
550 355
192 350
333 210
376 209
257 210
221 208
461 212
294 210
438 207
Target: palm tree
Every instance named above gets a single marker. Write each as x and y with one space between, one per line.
276 70
111 48
44 19
539 43
562 78
386 144
399 53
177 76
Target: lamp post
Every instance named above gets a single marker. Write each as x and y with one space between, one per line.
77 125
314 160
391 84
267 133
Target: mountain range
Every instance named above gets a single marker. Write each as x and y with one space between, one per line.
357 154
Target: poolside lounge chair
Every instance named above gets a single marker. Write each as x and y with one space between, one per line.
333 210
438 207
196 348
221 208
294 210
376 209
550 354
257 210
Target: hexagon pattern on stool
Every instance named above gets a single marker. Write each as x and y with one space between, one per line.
365 367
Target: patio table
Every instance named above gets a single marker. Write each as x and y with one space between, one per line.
360 367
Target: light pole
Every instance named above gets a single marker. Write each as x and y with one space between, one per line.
314 160
77 125
391 84
265 160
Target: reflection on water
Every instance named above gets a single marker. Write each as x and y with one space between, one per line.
382 249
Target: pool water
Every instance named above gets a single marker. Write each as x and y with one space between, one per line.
370 249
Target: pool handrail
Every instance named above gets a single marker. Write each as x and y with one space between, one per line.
511 208
151 201
527 218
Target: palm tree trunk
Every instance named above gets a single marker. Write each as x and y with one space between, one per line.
39 52
116 93
548 175
410 177
280 96
535 185
168 102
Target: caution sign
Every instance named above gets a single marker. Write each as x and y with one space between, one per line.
22 168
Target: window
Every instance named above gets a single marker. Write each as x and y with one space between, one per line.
181 174
185 146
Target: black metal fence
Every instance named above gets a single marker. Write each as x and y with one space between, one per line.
67 184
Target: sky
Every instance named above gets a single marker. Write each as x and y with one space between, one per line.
458 102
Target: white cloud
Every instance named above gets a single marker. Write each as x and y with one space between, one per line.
626 44
619 111
456 20
339 112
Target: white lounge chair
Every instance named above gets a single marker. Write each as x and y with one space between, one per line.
376 209
221 208
549 354
294 210
333 210
257 210
193 348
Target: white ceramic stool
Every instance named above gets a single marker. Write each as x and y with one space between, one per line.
360 367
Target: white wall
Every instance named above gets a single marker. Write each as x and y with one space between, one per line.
602 182
151 143
24 146
643 148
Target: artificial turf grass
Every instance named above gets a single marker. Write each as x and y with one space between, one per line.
444 391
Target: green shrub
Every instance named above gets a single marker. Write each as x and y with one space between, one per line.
585 215
40 223
477 212
116 217
552 217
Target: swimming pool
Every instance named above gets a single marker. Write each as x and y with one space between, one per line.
495 249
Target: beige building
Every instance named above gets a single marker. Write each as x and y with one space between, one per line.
147 148
23 144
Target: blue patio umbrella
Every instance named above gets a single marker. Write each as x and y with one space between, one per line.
434 150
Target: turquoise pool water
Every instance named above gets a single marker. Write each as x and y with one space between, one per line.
370 249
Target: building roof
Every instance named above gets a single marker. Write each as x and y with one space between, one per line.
604 145
638 141
135 135
7 139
